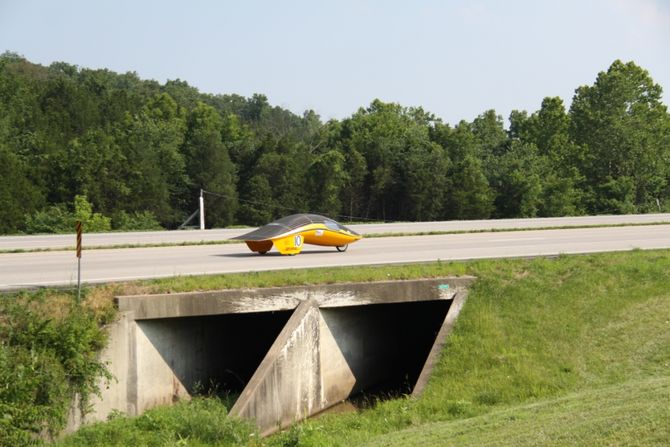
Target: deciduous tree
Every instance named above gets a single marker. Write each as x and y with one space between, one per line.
625 128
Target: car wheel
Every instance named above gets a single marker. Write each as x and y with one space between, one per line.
342 248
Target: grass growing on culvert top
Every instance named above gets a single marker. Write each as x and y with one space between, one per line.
533 332
296 277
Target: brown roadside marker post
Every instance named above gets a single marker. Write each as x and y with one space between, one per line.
78 227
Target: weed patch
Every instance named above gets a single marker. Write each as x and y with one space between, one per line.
48 354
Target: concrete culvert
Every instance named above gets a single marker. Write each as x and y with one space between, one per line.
289 352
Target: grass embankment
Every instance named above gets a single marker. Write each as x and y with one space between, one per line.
573 350
533 331
632 413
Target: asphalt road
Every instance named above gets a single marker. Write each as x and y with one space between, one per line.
60 267
61 241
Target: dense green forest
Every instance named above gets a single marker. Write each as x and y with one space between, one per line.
124 153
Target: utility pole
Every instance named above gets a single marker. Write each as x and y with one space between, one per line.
202 211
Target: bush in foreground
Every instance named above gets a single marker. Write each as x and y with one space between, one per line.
49 348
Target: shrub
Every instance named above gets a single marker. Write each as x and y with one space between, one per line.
135 221
92 222
59 219
45 359
54 219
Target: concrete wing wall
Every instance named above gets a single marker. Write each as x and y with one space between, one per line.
286 386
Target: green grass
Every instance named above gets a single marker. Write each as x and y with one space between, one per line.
539 344
531 330
199 422
296 277
633 413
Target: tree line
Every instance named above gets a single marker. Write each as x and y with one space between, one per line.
125 153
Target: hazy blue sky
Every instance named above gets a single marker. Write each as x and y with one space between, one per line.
454 58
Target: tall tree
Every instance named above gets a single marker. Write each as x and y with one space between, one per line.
18 196
388 136
155 167
489 130
468 194
517 181
92 165
327 176
625 128
424 167
208 165
277 187
559 157
259 207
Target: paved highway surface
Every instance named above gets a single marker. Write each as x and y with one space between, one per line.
177 237
60 267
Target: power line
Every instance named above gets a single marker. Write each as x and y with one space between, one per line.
248 201
253 202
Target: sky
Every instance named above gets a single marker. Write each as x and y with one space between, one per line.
454 58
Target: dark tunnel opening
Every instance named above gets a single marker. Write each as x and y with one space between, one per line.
386 345
215 354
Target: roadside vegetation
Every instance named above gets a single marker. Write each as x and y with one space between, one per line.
573 350
48 354
140 152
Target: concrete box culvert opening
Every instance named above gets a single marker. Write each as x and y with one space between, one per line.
384 345
290 352
211 355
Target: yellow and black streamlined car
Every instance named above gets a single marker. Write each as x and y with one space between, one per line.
290 233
